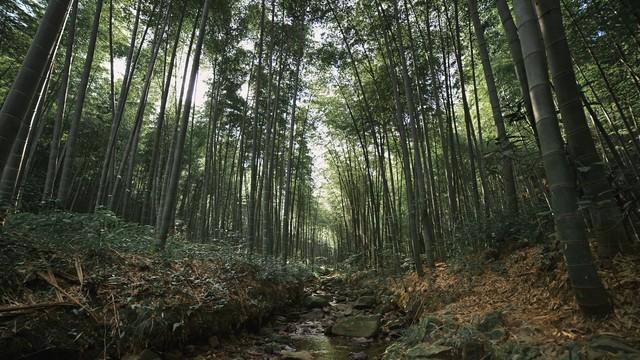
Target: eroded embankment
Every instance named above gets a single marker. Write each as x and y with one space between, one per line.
70 288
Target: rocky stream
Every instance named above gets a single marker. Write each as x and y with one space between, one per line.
333 322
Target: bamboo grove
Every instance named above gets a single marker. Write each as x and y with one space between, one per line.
380 132
420 159
135 140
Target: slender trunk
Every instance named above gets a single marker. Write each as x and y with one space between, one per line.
119 110
255 148
505 146
287 192
151 186
169 204
518 62
131 146
405 157
64 188
61 104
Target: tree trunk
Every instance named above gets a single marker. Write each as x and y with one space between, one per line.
169 203
17 103
505 146
590 294
118 111
61 104
64 188
287 192
605 213
518 62
255 148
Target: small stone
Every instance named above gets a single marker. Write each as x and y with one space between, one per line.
288 348
296 355
359 356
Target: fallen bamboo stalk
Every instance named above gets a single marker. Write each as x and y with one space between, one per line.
11 308
51 280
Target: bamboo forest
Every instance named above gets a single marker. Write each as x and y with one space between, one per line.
320 179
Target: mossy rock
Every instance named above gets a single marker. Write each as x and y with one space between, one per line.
357 326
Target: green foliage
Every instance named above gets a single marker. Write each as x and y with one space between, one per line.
81 231
101 230
502 230
417 332
291 272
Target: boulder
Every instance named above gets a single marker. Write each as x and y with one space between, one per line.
365 302
343 309
316 301
313 315
357 326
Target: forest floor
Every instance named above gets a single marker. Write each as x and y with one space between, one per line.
90 286
515 307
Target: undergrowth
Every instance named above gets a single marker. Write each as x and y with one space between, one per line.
108 272
93 232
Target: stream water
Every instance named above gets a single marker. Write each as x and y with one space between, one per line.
323 347
309 335
301 333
